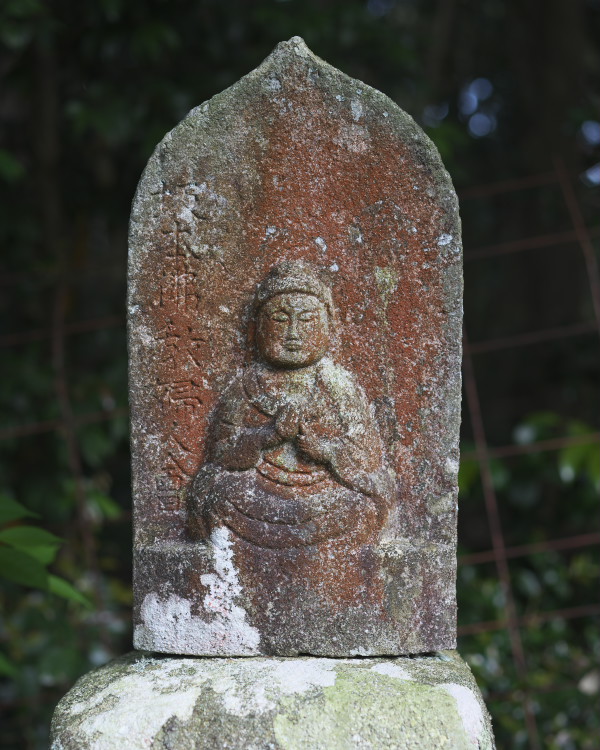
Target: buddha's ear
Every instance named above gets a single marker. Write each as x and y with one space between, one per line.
334 327
252 331
251 335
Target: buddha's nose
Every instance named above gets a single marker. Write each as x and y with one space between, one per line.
292 331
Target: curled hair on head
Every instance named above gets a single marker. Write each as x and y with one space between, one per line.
294 276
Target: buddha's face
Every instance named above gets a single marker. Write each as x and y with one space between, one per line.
293 330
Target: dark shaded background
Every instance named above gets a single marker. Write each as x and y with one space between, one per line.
509 93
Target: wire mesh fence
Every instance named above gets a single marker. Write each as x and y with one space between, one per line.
500 552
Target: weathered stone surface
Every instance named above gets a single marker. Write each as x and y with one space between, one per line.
339 539
141 701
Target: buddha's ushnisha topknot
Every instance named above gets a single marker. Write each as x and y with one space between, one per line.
294 276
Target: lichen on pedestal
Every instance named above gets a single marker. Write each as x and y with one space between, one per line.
148 701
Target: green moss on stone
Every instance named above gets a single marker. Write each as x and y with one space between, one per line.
387 283
366 709
283 704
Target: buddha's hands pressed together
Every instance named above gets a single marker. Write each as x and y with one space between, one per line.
287 421
313 440
316 443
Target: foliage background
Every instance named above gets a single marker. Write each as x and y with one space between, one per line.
506 90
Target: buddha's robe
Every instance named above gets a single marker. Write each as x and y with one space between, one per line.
329 480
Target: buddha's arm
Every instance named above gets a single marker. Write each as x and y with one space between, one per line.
361 465
346 439
238 443
240 448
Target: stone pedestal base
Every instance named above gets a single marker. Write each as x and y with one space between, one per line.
193 599
146 701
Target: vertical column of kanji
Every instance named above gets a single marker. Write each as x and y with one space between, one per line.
144 297
179 388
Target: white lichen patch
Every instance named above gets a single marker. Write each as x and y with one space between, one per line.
354 138
243 691
452 466
444 239
145 336
153 445
299 47
357 110
392 670
136 706
361 652
296 676
168 624
272 83
229 628
438 504
185 214
127 717
469 710
255 687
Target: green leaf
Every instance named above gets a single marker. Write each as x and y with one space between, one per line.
63 588
537 426
6 668
25 9
593 465
10 509
104 505
58 663
467 474
577 427
11 169
572 459
19 567
500 473
38 543
96 444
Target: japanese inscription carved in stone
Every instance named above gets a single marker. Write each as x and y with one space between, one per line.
295 309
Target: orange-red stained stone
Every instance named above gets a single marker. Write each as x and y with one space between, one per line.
296 162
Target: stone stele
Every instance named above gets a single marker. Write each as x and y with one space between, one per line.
171 703
295 302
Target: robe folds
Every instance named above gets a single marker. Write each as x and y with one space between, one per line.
325 477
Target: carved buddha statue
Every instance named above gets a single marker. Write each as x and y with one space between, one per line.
295 453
